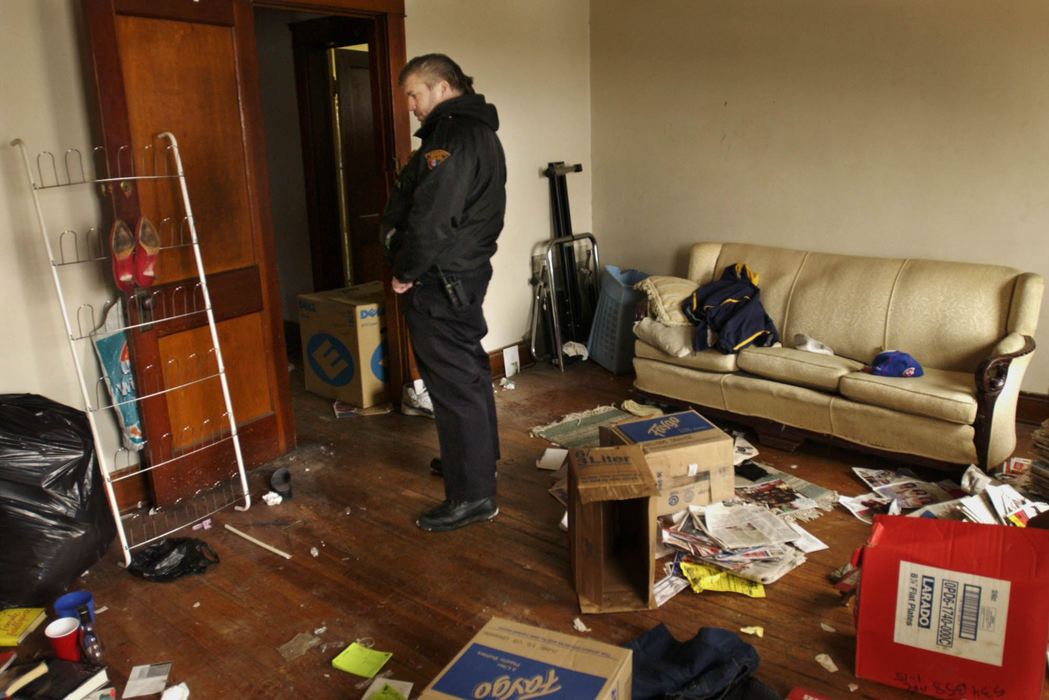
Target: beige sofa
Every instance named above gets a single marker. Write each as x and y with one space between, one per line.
970 326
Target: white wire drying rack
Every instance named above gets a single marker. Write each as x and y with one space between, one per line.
69 248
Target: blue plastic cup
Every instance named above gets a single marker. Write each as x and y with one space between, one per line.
67 605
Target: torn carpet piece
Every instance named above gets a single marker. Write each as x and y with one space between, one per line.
580 429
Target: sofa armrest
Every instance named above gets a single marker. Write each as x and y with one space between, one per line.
991 376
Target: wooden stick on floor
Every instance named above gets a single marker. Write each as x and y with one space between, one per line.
249 538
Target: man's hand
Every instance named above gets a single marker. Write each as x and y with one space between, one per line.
400 287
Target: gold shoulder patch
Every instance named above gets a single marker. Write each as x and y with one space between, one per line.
435 158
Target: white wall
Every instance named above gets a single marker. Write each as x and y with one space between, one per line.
530 58
881 127
46 104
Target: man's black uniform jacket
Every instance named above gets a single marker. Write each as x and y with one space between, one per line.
447 208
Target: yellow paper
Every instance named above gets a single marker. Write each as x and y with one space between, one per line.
360 661
710 578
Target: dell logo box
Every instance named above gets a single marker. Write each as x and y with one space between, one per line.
344 343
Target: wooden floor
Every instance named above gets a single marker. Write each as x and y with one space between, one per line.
358 484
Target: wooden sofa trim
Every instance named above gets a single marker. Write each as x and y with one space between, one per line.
990 380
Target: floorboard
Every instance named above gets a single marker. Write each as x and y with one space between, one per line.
360 569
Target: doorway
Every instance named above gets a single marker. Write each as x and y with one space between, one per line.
325 152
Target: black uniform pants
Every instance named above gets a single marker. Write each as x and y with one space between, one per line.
447 346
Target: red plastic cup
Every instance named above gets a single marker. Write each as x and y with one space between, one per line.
63 636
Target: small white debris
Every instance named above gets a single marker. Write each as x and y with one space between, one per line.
756 630
826 662
314 551
197 604
579 625
827 628
853 687
272 498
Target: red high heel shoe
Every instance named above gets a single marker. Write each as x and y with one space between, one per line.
146 248
122 244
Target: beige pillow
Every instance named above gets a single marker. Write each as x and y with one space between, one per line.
665 295
675 341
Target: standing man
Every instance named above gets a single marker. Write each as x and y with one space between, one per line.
440 229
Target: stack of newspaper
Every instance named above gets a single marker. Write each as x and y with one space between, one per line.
999 504
743 538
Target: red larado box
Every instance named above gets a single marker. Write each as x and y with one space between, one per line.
954 609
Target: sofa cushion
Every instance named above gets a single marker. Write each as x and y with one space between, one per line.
798 367
942 394
673 340
707 360
665 295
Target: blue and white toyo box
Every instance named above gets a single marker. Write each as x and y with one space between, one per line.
509 660
690 458
344 343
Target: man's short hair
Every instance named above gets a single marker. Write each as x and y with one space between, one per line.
435 67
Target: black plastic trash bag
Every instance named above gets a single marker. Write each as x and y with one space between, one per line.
173 558
54 517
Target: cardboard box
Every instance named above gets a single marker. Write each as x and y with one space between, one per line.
689 457
611 528
344 344
954 609
508 659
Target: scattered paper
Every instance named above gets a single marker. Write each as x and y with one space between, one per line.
147 679
865 507
876 477
580 626
913 493
742 450
826 662
298 645
360 660
552 459
806 542
775 495
176 692
341 409
668 587
756 630
511 361
827 628
271 498
388 689
975 480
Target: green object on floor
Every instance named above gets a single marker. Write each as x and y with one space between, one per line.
360 660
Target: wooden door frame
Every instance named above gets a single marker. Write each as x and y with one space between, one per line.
264 437
389 17
390 58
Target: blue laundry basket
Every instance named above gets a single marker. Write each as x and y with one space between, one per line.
611 342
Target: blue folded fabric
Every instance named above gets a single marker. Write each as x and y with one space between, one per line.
715 663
